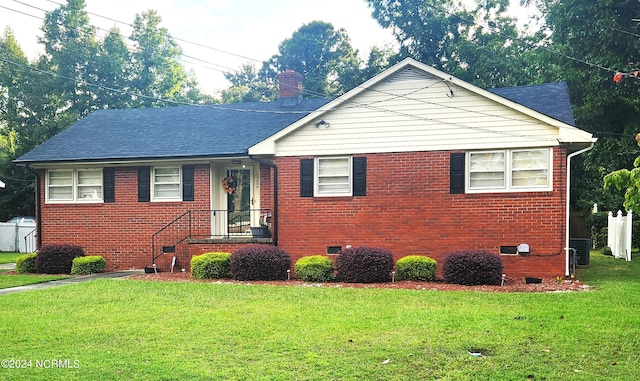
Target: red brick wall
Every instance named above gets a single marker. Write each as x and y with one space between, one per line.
408 210
121 231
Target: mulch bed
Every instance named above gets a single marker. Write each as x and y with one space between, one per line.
510 284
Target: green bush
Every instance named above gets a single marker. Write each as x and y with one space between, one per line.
606 251
26 263
88 265
57 259
314 268
210 265
416 267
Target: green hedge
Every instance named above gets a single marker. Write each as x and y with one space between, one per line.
26 263
88 265
210 265
314 268
416 267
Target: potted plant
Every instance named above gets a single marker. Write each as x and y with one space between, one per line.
261 231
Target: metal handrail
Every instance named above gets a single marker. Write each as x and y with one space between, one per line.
208 224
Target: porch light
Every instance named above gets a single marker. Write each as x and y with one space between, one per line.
322 123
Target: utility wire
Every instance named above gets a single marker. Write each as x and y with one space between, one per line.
173 37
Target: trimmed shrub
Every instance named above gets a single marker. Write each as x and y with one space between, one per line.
57 259
416 267
364 265
606 251
314 268
472 267
88 265
26 263
210 265
259 262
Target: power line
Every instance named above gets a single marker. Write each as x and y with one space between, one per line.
173 37
140 95
223 70
532 45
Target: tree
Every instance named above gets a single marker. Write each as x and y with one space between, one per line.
18 181
628 181
587 57
322 54
480 45
249 86
76 75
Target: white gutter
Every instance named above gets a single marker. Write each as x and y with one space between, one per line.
566 247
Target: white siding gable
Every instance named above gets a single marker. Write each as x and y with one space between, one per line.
414 110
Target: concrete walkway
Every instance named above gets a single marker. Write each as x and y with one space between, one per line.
56 283
8 266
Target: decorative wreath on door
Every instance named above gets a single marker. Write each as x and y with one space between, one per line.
229 184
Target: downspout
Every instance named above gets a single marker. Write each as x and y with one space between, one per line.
38 208
275 195
566 222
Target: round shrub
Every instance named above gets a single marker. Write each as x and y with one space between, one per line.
364 265
259 262
210 265
88 265
606 251
26 263
472 267
57 259
416 267
314 268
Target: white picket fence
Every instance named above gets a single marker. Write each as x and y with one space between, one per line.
18 237
619 235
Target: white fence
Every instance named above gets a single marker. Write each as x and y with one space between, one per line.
619 235
18 237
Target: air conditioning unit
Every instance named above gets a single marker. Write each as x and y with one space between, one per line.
583 247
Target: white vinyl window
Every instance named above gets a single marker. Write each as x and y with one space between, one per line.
333 176
74 185
509 170
166 184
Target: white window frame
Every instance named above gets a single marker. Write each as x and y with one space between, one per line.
318 192
509 171
156 185
76 186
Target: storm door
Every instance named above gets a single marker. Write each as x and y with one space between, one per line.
238 189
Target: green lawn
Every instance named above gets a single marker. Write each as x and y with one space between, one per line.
9 257
13 280
142 330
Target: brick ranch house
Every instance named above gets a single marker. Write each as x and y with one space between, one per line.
413 160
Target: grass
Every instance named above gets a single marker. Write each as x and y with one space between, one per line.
140 330
9 257
13 280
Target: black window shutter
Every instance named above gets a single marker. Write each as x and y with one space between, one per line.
359 176
187 183
108 185
306 177
456 173
144 184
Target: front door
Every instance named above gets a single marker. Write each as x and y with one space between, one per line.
238 191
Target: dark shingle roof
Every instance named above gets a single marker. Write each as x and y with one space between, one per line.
221 130
171 132
551 99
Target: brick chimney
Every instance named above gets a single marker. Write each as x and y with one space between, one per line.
290 87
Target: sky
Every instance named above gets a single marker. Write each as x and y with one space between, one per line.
217 35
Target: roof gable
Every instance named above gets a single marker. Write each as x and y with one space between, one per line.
412 106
